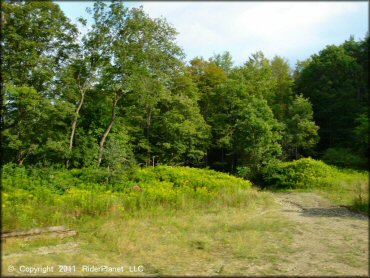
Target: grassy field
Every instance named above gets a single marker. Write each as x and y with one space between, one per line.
182 221
212 241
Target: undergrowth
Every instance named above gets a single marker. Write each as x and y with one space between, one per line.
42 197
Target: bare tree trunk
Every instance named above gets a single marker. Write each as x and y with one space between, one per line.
105 135
74 123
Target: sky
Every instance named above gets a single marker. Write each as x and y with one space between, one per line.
293 30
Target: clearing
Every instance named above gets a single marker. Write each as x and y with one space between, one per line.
298 234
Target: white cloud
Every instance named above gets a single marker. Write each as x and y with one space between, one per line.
279 28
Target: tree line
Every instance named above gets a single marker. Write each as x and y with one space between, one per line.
119 93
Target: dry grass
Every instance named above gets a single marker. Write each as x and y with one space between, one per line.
262 238
218 240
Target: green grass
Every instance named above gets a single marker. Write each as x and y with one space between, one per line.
184 221
352 192
209 241
342 186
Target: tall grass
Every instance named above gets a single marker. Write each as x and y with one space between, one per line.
42 197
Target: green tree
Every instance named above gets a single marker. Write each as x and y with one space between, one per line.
119 149
181 135
301 134
333 80
224 61
257 135
282 93
78 78
38 40
34 128
207 76
258 76
143 106
140 48
210 78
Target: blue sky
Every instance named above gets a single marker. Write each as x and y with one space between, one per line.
293 30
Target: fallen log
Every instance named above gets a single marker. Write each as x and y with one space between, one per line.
56 231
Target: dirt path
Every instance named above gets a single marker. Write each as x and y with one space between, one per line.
328 240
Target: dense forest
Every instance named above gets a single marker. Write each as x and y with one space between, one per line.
120 93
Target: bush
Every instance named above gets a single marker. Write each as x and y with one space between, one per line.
302 173
191 177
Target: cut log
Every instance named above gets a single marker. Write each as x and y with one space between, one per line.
56 231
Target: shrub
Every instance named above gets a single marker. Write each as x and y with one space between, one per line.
302 173
192 177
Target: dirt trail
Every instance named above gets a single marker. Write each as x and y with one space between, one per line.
328 240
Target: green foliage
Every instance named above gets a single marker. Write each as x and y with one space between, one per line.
283 93
86 148
191 177
38 38
301 129
361 134
224 61
334 82
176 133
257 135
119 151
344 157
69 195
258 76
207 76
31 126
244 172
302 173
362 129
38 41
342 186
